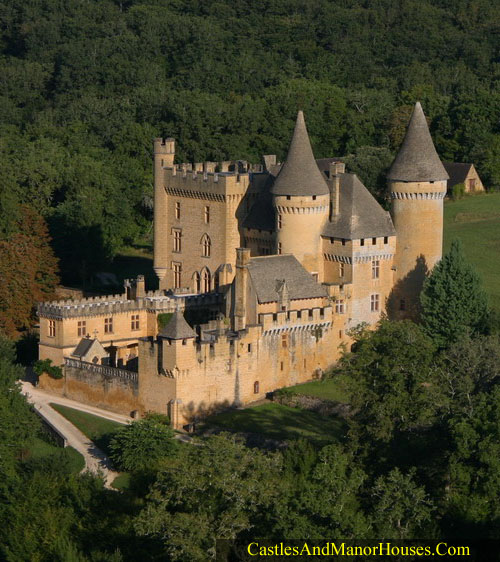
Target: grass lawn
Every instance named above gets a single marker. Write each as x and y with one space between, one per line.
122 481
280 422
41 449
98 429
329 389
476 221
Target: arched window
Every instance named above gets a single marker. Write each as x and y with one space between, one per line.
256 387
197 282
205 245
206 280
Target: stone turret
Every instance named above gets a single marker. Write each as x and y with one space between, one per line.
164 153
417 182
301 199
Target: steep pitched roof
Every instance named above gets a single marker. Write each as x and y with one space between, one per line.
417 159
360 216
457 171
85 345
177 328
300 174
267 272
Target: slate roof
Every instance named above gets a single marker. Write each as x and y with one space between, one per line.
324 164
300 174
83 347
177 328
360 215
265 273
457 171
417 159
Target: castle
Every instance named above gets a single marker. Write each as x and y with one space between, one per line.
287 258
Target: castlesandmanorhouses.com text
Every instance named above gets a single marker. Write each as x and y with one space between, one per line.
343 549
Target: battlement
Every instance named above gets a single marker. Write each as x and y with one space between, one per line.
153 301
164 146
181 181
295 320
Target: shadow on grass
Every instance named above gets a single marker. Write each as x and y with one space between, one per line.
281 423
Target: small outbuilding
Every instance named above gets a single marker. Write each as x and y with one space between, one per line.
92 351
461 172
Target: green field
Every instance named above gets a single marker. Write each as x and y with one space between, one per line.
98 429
476 221
41 449
330 389
279 422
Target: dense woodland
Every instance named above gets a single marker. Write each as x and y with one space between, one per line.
84 87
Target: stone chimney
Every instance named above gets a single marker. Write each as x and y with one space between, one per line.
241 289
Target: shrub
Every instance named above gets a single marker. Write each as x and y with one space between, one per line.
45 366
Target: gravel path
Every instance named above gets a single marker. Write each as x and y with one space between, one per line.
95 460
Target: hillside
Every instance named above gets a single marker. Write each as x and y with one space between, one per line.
476 221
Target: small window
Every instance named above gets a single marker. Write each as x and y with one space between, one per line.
206 214
206 281
281 365
256 387
402 304
134 322
52 328
305 363
374 241
177 209
279 221
339 306
177 239
375 269
108 325
341 334
362 242
315 276
343 241
206 244
197 282
314 197
374 303
81 328
386 239
279 248
288 197
284 341
249 348
341 269
177 269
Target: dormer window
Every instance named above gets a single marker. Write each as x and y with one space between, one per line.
362 242
314 197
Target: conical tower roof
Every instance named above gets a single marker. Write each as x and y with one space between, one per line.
300 174
417 159
177 328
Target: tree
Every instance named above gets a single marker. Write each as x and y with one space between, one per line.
216 488
28 272
453 301
401 507
389 377
142 443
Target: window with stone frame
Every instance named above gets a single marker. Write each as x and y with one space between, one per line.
374 302
341 269
177 209
134 322
177 269
81 328
108 325
206 245
206 214
339 306
52 328
375 269
177 232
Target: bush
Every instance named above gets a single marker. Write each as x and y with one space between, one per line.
457 191
45 366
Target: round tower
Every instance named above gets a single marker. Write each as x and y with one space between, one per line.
417 183
301 199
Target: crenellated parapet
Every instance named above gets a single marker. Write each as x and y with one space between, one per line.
296 320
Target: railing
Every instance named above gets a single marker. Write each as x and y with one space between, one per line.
101 369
